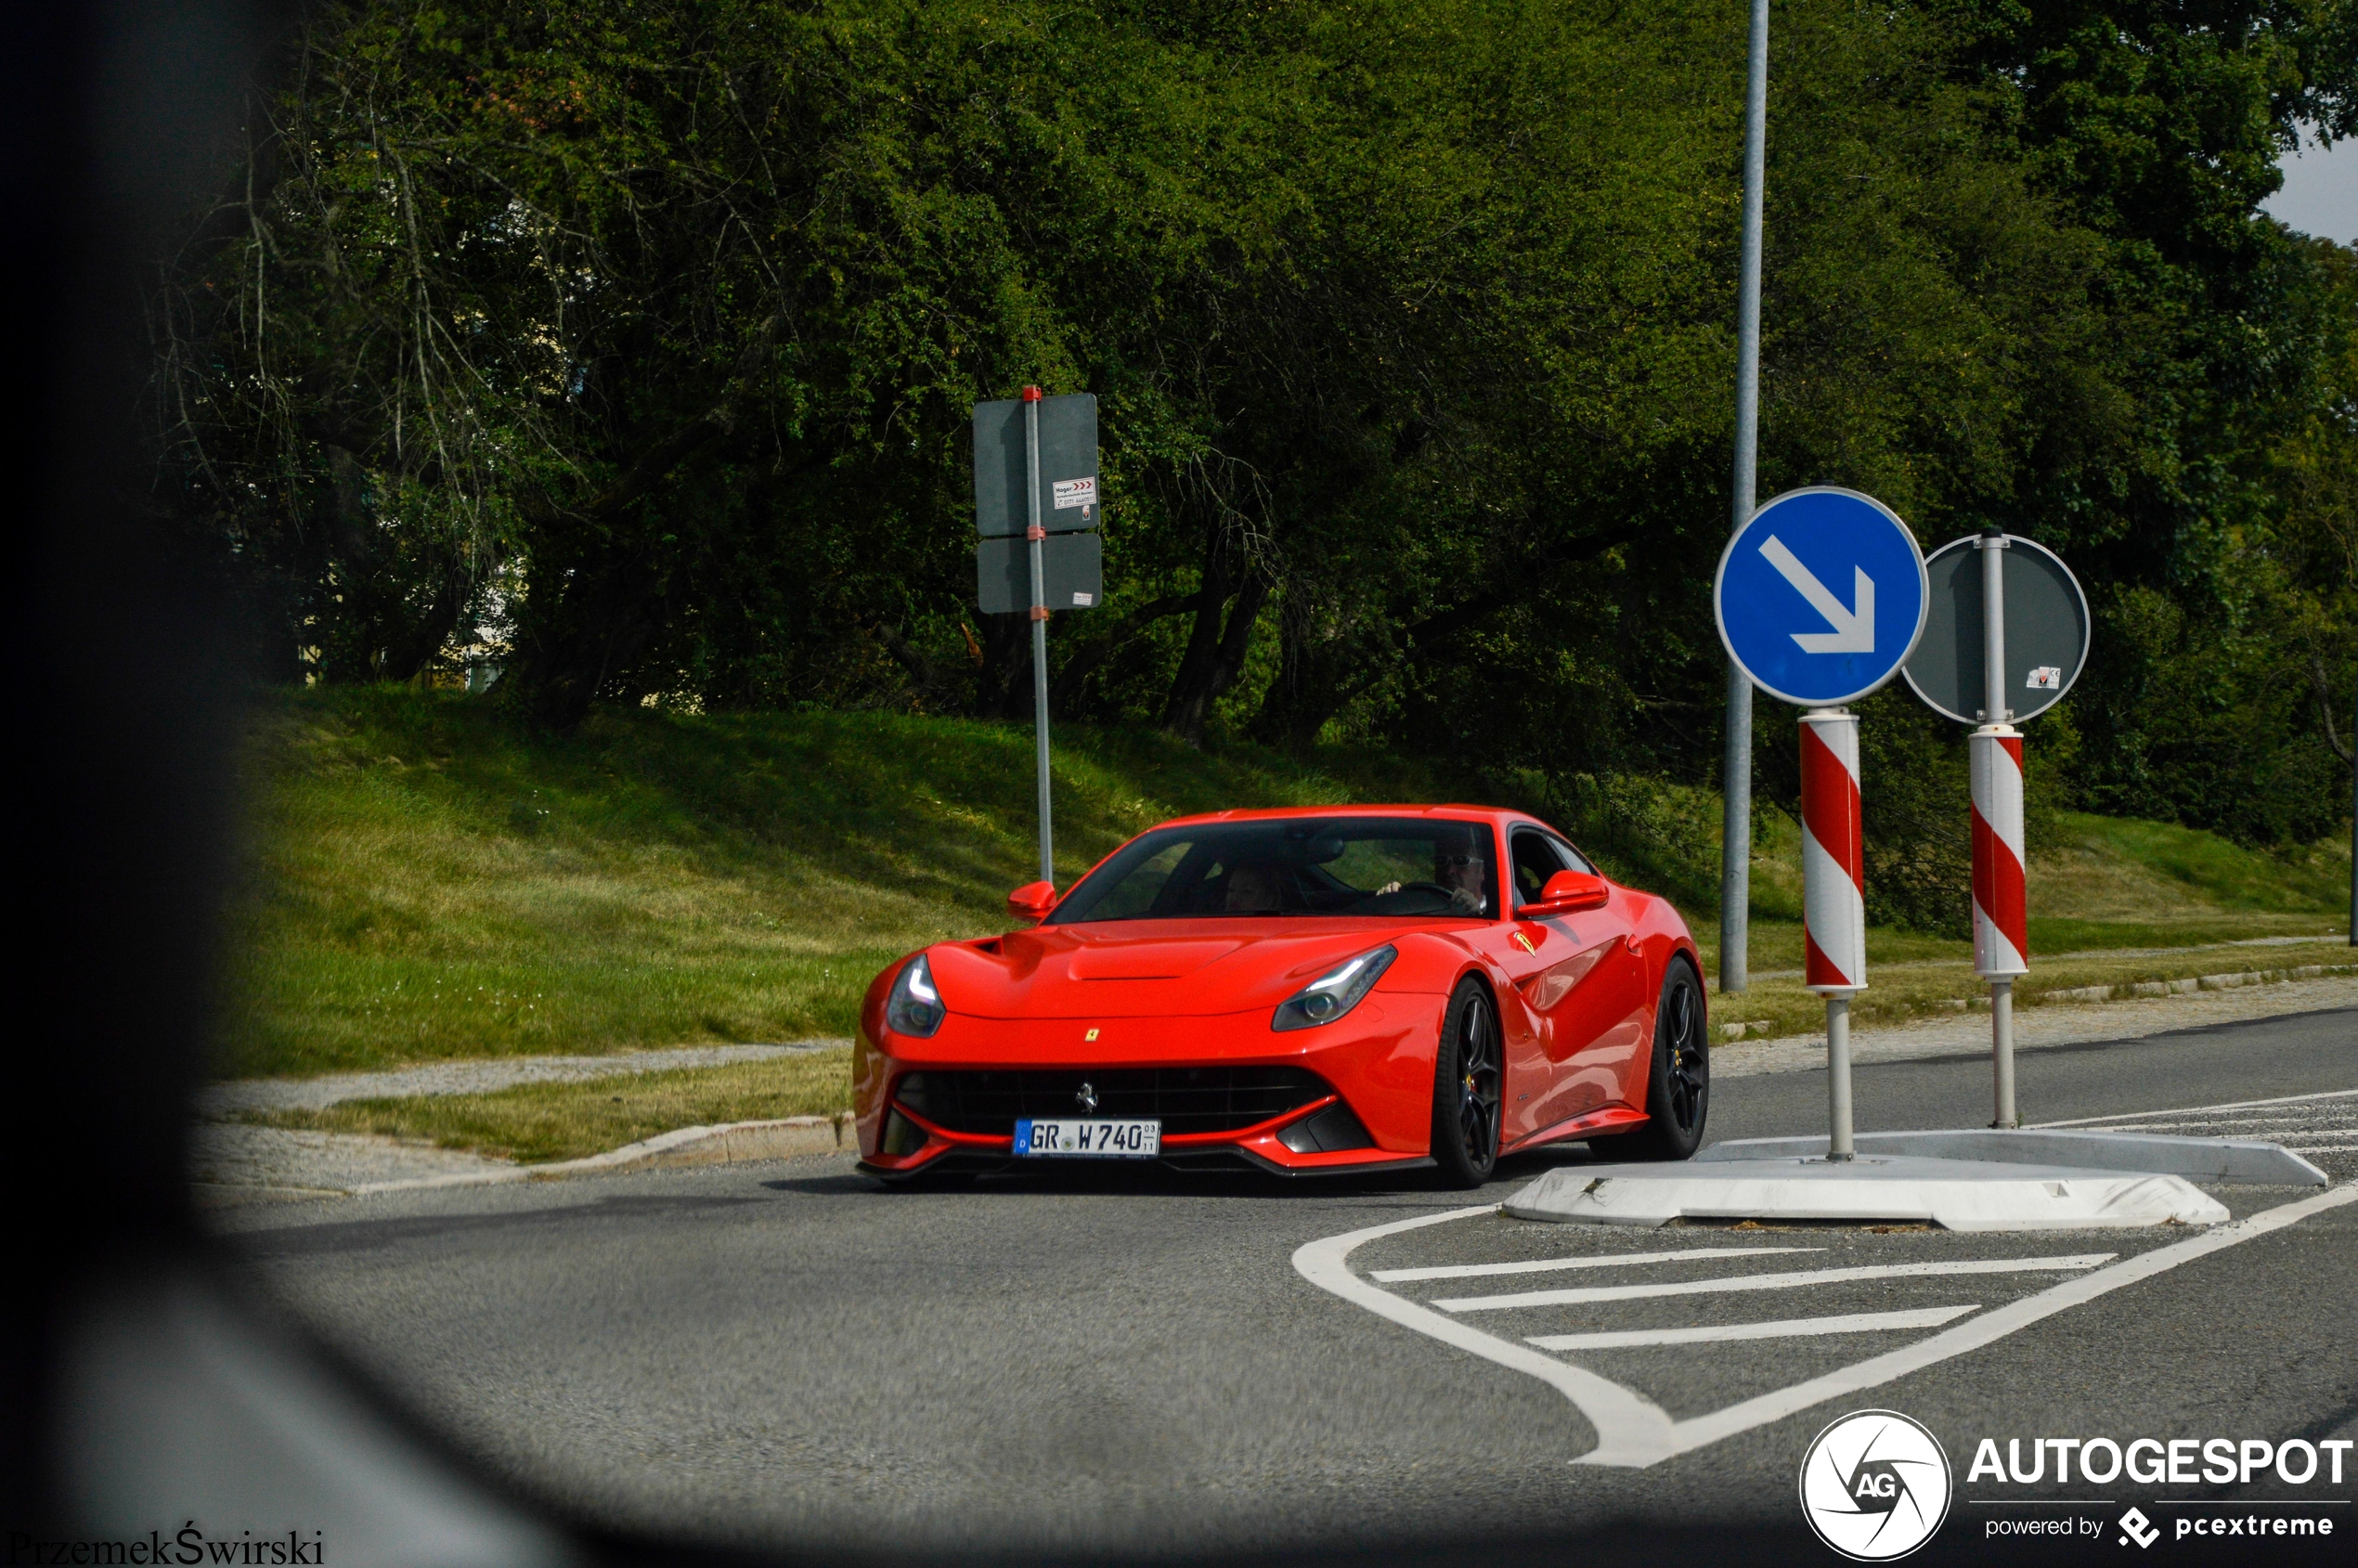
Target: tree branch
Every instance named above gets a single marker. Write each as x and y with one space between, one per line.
1523 585
1092 659
659 459
904 653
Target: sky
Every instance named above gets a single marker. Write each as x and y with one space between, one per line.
2320 195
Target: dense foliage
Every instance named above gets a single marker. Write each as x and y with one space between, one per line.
638 337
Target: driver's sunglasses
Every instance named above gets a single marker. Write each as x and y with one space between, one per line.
1455 863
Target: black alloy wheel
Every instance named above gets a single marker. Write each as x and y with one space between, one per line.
1678 1081
1468 1083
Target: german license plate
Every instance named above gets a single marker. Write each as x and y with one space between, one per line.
1102 1138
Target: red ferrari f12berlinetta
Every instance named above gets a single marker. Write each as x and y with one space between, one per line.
1309 990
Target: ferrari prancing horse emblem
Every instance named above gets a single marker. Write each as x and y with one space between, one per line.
1086 1094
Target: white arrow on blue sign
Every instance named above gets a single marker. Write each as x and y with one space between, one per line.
1821 596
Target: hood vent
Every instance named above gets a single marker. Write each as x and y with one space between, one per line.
1148 960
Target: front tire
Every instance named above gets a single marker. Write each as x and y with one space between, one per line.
1679 1080
1468 1082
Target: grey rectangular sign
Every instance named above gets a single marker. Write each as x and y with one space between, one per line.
1067 466
1074 568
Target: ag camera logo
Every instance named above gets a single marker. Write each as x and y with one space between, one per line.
1876 1485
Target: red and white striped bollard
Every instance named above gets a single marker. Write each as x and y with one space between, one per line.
2000 903
1833 896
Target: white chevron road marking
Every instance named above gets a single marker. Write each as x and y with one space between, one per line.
1781 1328
1549 1265
1575 1294
1633 1432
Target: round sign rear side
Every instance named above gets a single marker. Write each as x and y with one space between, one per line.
1821 596
2047 625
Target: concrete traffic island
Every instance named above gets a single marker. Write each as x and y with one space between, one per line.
1963 1195
2225 1161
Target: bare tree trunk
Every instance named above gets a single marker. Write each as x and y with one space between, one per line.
1317 676
1203 651
1003 686
1204 679
594 636
1065 692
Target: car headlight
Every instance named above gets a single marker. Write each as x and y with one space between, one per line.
1335 993
915 1008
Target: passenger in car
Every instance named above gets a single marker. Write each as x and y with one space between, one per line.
1252 889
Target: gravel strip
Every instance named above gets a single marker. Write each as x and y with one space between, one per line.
217 1101
2037 1027
229 1156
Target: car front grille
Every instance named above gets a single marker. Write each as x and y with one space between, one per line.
1186 1100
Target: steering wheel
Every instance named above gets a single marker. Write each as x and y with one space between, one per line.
1390 903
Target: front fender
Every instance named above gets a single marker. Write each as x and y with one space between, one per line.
1430 964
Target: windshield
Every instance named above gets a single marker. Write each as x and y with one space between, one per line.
1335 865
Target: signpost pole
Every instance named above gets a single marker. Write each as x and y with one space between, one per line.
1037 537
1735 772
2353 826
2001 909
1993 683
1820 598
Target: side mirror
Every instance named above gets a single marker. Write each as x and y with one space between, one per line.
1031 902
1568 892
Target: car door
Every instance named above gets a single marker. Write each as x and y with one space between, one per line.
1534 956
1582 980
1510 950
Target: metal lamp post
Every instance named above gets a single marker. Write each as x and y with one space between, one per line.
1735 828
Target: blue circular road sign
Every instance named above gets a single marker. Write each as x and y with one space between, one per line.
1821 596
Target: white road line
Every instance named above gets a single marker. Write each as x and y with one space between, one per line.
2196 1110
1549 1265
1607 1407
1573 1294
1634 1431
2173 1123
1782 1329
2326 1148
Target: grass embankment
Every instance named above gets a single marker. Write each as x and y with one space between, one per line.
429 881
541 1121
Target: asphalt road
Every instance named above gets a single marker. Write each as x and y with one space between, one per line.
1108 1359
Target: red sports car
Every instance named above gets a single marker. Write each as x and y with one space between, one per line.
1313 991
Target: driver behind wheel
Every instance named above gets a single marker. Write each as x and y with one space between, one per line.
1456 868
1456 871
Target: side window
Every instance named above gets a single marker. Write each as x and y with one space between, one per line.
1536 861
1573 859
